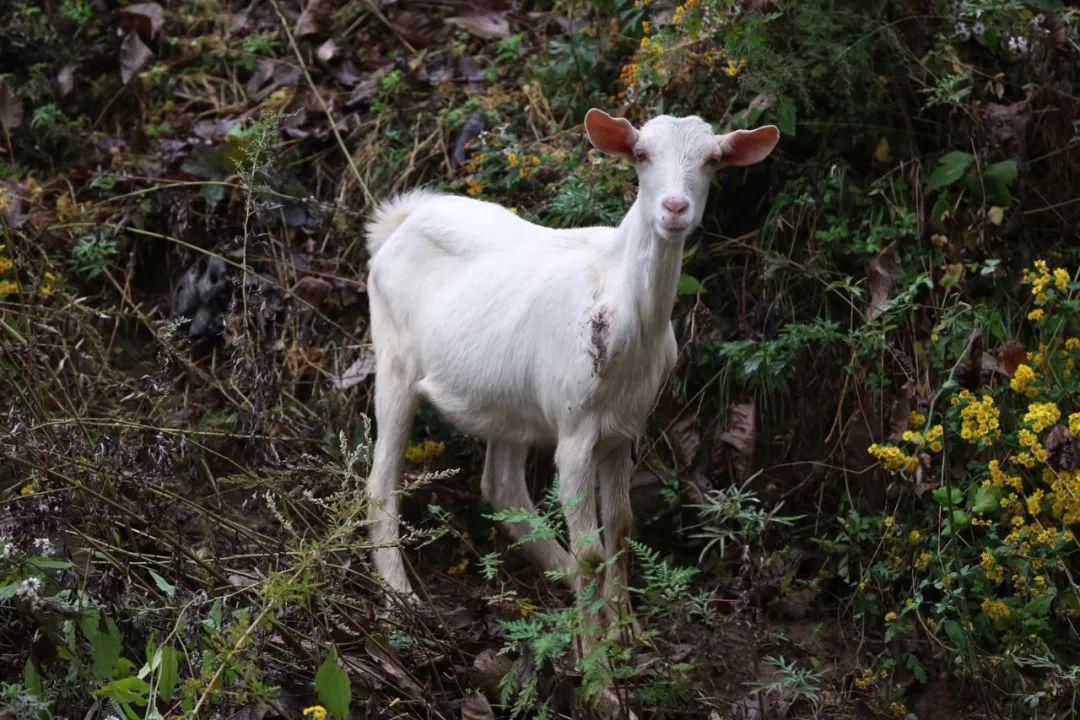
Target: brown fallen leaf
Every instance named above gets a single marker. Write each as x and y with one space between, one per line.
358 371
476 707
486 25
388 660
488 670
881 274
741 435
144 18
1062 450
1011 355
11 108
134 56
315 20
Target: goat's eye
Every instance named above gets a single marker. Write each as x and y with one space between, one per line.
641 156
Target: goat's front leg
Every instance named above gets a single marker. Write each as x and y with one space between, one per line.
616 469
577 462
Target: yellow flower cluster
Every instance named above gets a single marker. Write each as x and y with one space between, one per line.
1041 278
893 457
1024 380
980 418
425 451
683 10
994 572
317 712
891 616
628 75
1064 495
995 609
7 287
923 561
733 69
525 164
650 48
1074 424
1042 415
472 187
869 678
1035 450
932 438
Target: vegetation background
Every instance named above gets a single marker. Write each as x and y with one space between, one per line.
858 493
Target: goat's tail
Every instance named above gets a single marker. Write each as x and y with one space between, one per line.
390 214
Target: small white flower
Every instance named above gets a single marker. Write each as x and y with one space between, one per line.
29 588
5 548
962 31
44 546
978 29
1019 44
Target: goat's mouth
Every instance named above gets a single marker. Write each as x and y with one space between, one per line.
673 227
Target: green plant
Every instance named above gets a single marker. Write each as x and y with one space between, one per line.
93 254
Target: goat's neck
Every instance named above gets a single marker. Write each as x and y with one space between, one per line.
648 272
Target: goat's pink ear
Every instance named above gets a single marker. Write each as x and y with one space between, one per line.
615 136
746 147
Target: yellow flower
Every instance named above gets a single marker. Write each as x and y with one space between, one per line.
923 561
980 419
916 419
995 609
472 187
1074 424
732 70
1036 314
28 489
889 522
934 436
914 536
1061 278
1023 380
1042 415
425 451
890 616
5 264
1073 344
317 712
8 287
893 458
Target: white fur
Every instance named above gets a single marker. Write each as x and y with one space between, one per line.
525 335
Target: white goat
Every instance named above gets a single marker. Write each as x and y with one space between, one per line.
526 335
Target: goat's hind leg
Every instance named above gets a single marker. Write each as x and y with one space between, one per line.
504 488
395 405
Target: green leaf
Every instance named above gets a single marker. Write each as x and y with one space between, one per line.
32 681
129 690
106 642
333 686
951 167
786 116
986 500
997 179
1039 606
690 285
955 632
169 673
942 496
912 663
44 563
163 584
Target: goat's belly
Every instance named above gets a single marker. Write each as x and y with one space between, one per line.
486 419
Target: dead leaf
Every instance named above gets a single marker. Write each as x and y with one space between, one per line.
488 670
881 274
358 371
388 660
1007 124
144 18
134 56
14 212
883 153
685 437
315 20
1062 450
65 80
486 25
1010 356
741 435
11 108
476 707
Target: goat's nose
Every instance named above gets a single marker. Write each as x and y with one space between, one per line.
674 204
